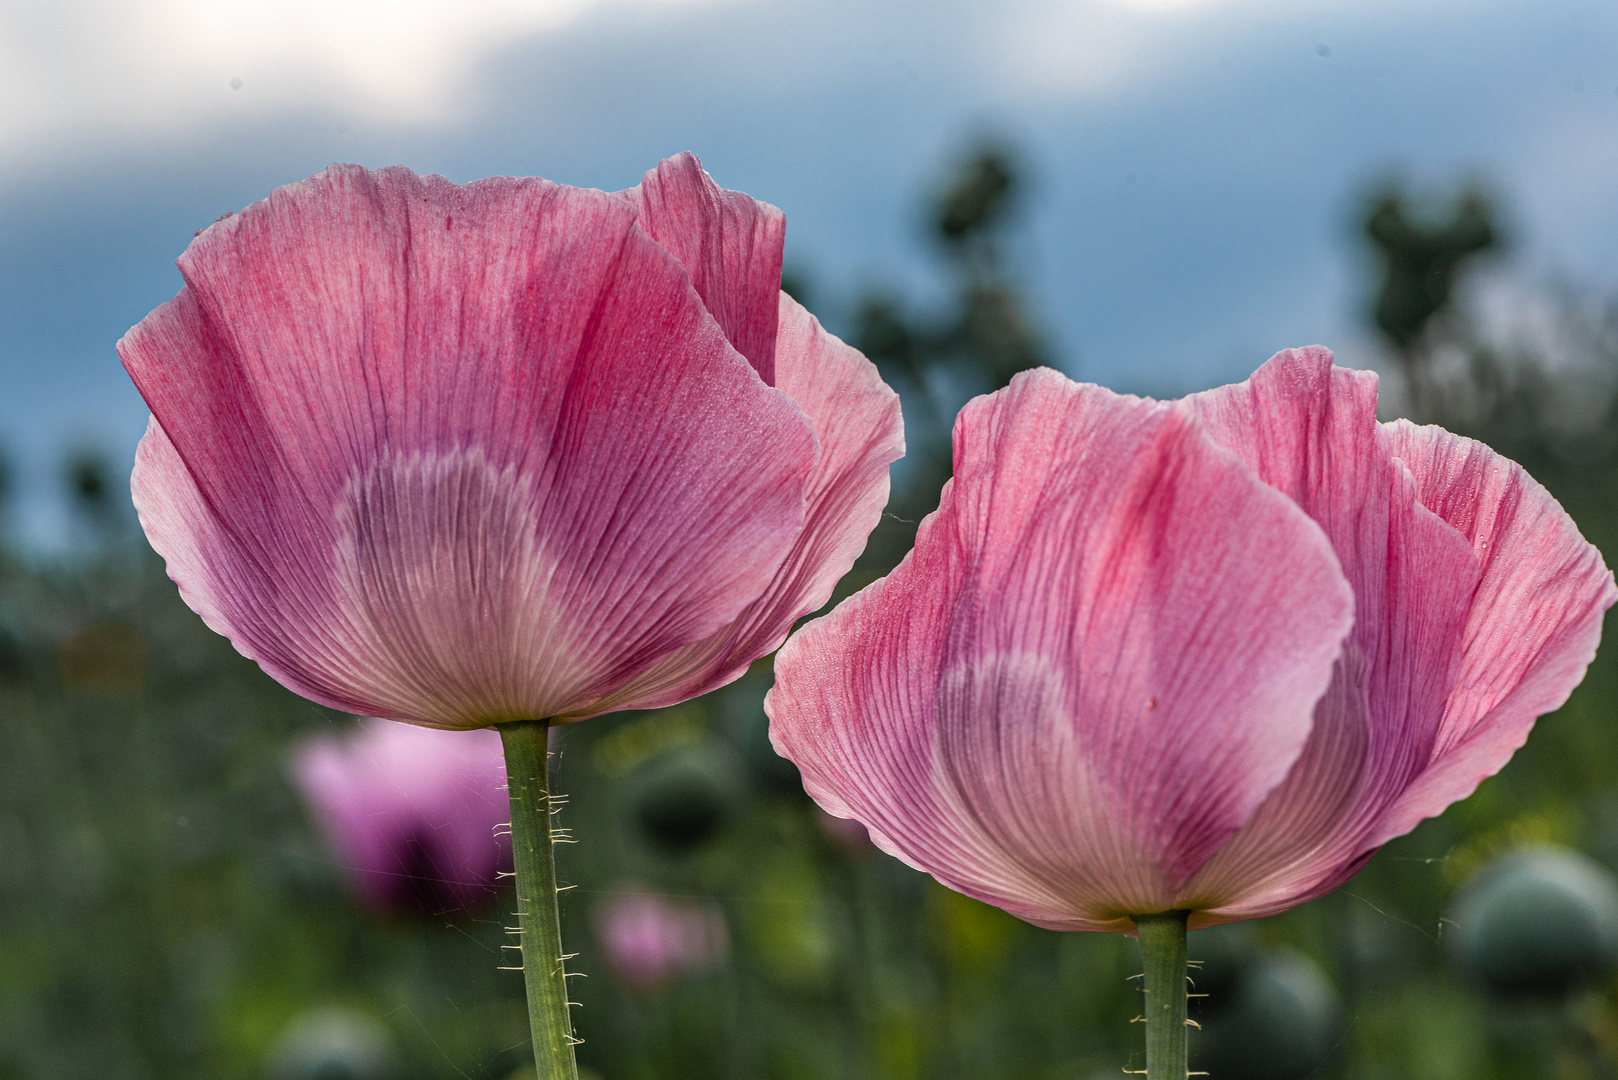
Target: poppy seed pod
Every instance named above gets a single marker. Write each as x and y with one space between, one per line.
1202 656
683 799
461 454
332 1044
1279 1019
1537 922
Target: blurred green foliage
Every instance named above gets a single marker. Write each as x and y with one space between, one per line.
1422 257
167 909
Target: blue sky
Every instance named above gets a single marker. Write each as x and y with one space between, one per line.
1195 164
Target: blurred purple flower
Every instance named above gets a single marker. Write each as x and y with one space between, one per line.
411 812
650 939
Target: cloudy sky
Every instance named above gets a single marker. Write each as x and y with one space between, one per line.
1195 164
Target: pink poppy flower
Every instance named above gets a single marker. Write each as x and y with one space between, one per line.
411 813
1202 655
649 939
462 454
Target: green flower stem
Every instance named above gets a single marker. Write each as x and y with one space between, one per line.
538 922
1162 943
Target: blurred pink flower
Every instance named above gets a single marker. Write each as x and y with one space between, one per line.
649 939
1206 654
412 813
461 454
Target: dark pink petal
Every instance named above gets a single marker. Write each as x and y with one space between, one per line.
860 432
1099 659
1534 623
456 453
413 814
730 244
1310 429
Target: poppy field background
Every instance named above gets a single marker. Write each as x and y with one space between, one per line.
170 908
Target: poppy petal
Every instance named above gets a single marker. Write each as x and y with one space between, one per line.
1309 429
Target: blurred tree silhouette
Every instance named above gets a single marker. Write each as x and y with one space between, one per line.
1547 399
8 481
979 194
1422 258
970 215
87 481
99 503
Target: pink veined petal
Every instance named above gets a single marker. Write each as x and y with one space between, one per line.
1533 626
1098 660
860 432
1310 429
467 452
730 244
399 801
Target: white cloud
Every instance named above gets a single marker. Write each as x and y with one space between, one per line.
1103 49
93 66
400 51
73 71
1161 5
1099 49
